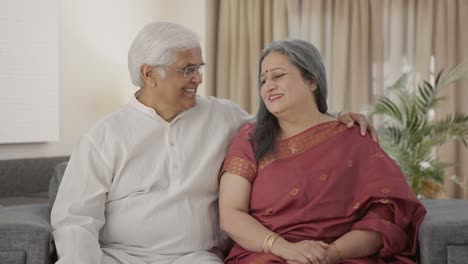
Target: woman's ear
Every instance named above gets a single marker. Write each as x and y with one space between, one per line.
312 85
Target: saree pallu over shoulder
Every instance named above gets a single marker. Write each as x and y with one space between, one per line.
303 141
323 183
241 158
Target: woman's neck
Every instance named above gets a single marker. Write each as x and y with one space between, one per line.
295 124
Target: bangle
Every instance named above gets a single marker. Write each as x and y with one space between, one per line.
336 248
268 242
272 240
265 242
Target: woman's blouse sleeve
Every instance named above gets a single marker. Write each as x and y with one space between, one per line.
240 158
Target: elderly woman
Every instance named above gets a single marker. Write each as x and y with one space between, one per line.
298 187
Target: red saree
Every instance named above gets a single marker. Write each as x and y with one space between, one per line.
322 183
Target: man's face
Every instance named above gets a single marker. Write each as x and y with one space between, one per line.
178 91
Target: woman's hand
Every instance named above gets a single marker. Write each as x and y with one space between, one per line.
332 255
304 252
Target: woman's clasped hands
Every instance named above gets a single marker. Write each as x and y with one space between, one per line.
305 252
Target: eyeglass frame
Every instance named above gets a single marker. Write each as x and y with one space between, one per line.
184 71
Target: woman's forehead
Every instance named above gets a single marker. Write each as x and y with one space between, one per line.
271 70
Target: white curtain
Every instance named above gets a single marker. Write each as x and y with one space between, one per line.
243 28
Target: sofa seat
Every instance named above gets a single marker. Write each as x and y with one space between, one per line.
13 257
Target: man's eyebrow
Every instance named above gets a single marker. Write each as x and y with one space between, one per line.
191 64
279 68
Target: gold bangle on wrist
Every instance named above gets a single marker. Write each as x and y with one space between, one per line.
268 242
337 250
265 242
272 240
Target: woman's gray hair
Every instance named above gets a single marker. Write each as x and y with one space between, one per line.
308 60
157 44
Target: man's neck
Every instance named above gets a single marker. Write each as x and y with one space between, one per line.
165 112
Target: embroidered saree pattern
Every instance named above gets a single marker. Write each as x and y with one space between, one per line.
241 167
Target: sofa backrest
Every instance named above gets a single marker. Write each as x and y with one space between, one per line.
26 176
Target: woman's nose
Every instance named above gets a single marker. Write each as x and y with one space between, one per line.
270 85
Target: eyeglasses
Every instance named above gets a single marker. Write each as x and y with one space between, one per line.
190 71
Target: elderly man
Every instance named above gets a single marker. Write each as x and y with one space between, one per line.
142 185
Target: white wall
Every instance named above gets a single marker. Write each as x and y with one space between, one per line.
94 39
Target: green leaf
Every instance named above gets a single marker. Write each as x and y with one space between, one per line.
385 106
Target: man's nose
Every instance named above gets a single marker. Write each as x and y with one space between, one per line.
198 77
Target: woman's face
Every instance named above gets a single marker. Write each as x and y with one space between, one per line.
283 89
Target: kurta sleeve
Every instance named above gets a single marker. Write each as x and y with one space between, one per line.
240 159
78 212
239 116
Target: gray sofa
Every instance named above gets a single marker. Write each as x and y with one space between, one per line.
28 188
25 232
443 235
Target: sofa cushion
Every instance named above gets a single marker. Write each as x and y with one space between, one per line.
26 228
54 184
444 232
457 254
20 177
13 257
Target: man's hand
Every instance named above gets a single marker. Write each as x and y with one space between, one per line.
351 118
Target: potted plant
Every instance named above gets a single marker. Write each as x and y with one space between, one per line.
410 132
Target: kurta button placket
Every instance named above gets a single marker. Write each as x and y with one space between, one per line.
170 138
172 150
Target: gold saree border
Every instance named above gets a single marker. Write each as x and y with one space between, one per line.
303 141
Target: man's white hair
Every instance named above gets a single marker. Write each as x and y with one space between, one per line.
157 44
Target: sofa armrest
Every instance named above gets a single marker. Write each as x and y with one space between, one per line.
55 181
26 228
443 235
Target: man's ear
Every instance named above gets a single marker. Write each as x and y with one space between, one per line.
146 72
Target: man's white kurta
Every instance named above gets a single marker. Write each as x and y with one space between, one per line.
140 189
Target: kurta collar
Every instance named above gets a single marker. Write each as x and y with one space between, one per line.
148 110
